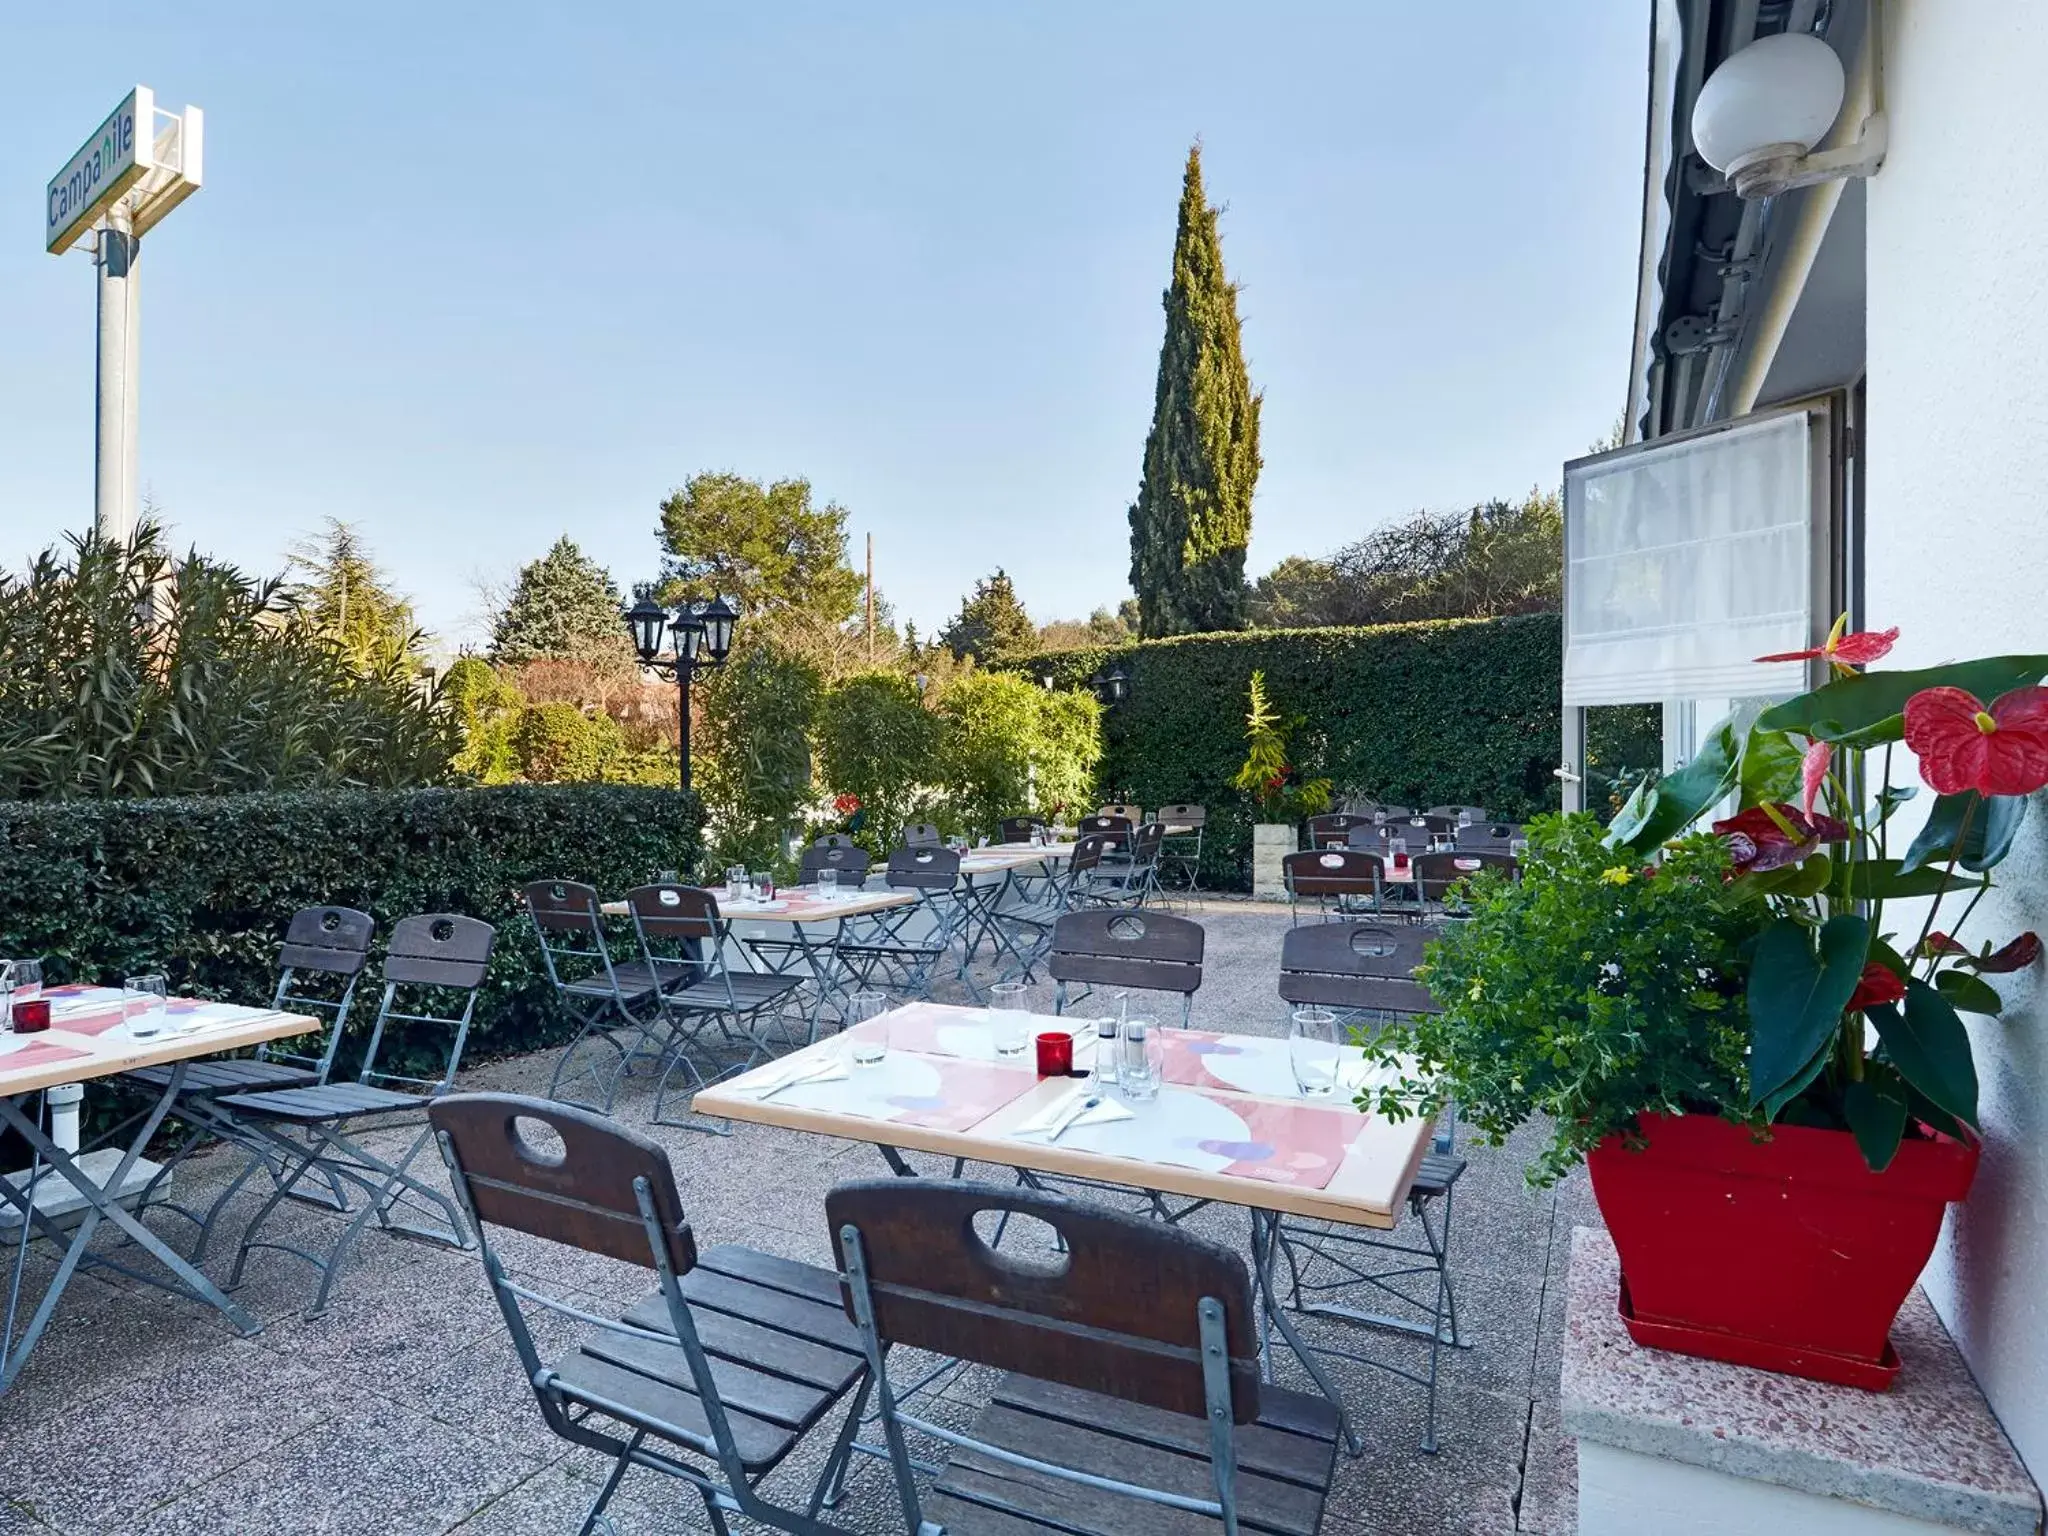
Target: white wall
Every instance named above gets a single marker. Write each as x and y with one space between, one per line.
1958 559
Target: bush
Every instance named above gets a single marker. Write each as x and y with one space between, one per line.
755 767
201 889
878 743
1453 712
559 744
123 672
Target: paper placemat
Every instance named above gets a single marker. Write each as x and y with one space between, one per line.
18 1054
927 1091
967 1034
1298 1144
1196 1058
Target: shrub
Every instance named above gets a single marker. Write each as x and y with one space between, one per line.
201 889
754 769
559 744
1458 711
123 672
878 743
990 730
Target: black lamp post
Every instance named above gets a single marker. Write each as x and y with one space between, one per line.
701 637
1113 686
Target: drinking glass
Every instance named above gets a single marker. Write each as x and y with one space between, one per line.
1011 1021
1397 849
867 1041
1518 847
20 981
735 882
828 884
763 885
1465 818
1379 818
1138 1066
1315 1048
152 992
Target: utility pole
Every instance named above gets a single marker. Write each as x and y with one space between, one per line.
116 420
871 599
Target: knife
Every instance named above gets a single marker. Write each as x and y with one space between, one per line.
1070 1114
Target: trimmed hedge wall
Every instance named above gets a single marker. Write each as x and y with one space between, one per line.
201 889
1458 711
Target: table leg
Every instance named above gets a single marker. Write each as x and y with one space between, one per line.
1265 1244
98 1206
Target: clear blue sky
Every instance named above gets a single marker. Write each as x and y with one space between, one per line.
471 275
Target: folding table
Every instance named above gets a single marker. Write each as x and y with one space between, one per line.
1227 1127
92 1036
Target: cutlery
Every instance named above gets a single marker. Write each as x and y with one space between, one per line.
796 1078
1072 1113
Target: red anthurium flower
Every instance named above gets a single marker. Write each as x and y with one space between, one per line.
2016 956
1770 837
1962 745
1876 986
1939 943
1813 772
1843 651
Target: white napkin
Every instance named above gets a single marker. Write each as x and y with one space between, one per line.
794 1074
1105 1113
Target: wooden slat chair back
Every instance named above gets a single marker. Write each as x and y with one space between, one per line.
431 955
1129 950
1330 831
1089 851
1119 1317
850 863
1362 967
1133 1361
1437 873
1476 812
569 923
735 1356
1018 829
921 834
1490 834
325 942
1346 878
923 867
1131 813
1116 828
1182 815
834 840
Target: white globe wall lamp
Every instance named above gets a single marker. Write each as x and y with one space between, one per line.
1761 113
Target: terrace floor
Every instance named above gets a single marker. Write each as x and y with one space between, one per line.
403 1409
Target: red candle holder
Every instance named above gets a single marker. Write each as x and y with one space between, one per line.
31 1015
1055 1054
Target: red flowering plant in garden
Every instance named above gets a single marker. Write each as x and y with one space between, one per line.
1854 997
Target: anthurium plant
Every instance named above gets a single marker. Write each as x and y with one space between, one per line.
1760 963
1855 1017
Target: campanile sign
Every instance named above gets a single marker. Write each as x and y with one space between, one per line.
105 167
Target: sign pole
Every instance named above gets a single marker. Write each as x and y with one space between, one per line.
117 417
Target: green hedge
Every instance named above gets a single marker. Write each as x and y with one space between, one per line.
1460 711
201 889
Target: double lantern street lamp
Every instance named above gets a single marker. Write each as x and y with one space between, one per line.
701 635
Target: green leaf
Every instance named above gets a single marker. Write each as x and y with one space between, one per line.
1926 1041
1796 996
1970 994
1770 768
1993 824
1884 880
1838 710
1891 797
1891 728
1876 1111
1799 1082
1655 814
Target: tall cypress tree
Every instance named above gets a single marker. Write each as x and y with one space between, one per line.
1193 516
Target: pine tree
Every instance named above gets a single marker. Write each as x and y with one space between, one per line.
339 585
563 605
1193 516
992 624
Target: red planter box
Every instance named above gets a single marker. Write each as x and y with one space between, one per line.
1787 1254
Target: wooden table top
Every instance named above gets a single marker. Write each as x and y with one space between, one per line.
1000 857
1208 1136
89 1037
796 904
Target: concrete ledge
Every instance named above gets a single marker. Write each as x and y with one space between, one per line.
1928 1453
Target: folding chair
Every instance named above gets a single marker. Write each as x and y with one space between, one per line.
1130 951
680 931
601 996
1348 877
1130 813
318 1127
1438 876
1477 813
1334 829
890 943
1128 877
1018 829
848 861
1491 836
1132 1401
921 834
1116 828
1182 850
712 1380
790 952
324 948
1364 971
1022 930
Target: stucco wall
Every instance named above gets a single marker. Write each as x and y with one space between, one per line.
1958 559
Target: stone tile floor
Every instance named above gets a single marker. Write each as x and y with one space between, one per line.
403 1409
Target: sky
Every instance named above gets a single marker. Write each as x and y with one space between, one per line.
472 276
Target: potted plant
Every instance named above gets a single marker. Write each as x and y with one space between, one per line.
1278 789
1756 1047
